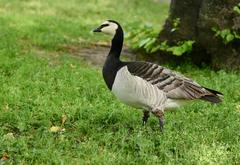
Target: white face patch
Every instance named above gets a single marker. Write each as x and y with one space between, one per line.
110 29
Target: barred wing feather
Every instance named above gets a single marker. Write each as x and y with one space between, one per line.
175 86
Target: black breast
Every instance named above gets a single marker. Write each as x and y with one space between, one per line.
110 69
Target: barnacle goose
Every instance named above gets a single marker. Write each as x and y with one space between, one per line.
145 85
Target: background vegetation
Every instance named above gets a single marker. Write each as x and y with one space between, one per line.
55 109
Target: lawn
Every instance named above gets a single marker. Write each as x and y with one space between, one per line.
43 87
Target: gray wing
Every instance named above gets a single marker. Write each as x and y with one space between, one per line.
174 85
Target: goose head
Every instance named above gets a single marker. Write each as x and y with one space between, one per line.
108 27
114 29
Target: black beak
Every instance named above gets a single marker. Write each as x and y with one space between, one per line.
98 29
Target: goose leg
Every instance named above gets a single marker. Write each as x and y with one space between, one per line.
159 113
145 117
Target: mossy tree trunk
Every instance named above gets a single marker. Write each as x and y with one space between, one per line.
197 20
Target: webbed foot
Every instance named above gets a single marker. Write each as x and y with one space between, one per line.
159 113
145 117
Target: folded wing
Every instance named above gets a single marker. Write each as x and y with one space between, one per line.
175 86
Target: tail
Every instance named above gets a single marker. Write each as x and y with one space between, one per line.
213 97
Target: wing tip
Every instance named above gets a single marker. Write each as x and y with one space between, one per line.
214 97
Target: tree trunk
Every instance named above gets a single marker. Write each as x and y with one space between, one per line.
197 20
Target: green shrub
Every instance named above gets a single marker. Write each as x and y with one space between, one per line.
146 38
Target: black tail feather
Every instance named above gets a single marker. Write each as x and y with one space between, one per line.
214 98
214 92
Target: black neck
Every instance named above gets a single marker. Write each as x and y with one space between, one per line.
113 63
117 43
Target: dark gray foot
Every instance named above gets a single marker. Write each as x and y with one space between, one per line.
145 117
161 123
160 115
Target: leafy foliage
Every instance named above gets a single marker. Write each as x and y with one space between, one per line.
228 35
181 48
143 37
146 38
176 23
237 8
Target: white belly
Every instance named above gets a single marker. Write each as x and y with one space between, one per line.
172 104
135 91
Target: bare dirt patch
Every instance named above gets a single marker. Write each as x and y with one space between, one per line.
96 54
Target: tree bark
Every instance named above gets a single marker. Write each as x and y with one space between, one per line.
197 18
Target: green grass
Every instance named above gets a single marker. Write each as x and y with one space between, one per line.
51 24
37 92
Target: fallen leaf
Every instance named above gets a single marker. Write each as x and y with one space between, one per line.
6 107
5 156
64 119
72 66
238 108
9 136
55 129
102 43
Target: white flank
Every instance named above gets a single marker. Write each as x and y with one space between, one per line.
173 104
137 92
